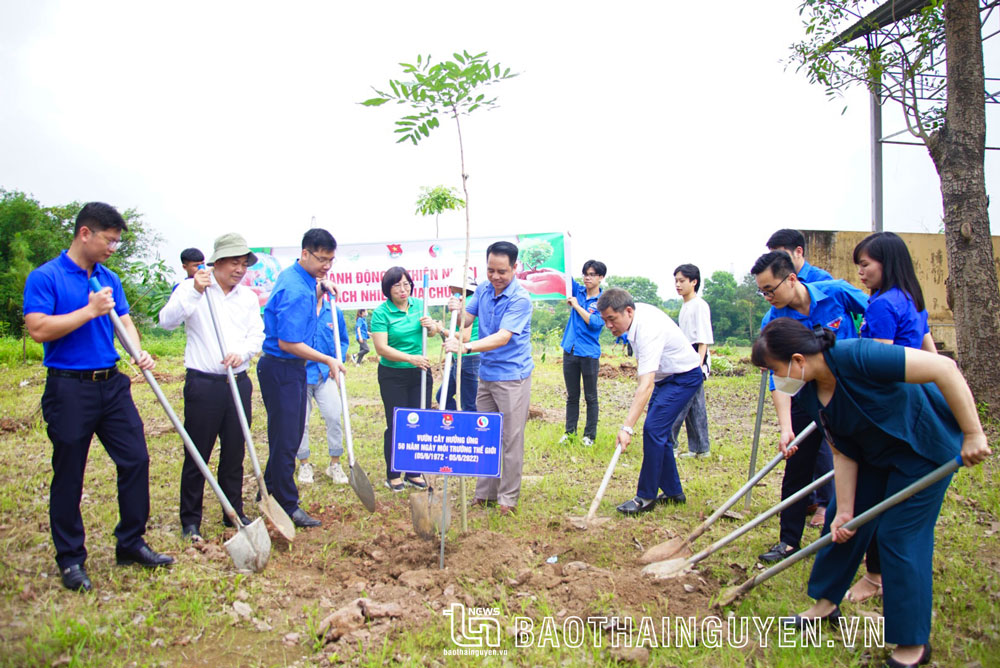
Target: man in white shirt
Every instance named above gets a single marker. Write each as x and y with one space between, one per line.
669 372
209 411
695 320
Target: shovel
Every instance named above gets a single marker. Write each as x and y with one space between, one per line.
357 478
675 546
671 568
250 547
756 432
268 505
430 516
589 520
733 593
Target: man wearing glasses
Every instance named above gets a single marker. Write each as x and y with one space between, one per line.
582 351
86 395
836 305
289 328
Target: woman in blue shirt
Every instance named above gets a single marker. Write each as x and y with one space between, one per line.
893 414
895 315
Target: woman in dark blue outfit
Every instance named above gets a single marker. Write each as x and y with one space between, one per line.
895 315
893 415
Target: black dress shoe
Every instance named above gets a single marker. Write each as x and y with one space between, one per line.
75 578
300 519
798 621
778 552
413 482
676 498
925 658
142 555
228 523
191 532
636 506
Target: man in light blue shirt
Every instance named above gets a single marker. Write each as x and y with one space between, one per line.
504 308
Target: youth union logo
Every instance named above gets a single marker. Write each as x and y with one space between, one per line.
447 419
412 418
483 421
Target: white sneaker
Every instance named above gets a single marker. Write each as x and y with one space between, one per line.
305 473
564 439
335 473
586 440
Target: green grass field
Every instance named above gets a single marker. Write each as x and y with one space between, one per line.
186 616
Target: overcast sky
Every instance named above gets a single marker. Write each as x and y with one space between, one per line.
655 133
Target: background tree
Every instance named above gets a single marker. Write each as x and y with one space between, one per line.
896 52
641 288
736 307
435 201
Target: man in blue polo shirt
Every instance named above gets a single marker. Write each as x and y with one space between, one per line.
289 329
793 242
504 308
581 350
86 395
836 305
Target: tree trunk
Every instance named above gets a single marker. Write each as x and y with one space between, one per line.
958 149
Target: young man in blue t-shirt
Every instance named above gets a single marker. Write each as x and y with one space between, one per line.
86 395
582 351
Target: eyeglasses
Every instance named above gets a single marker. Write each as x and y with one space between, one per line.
770 293
325 261
112 244
403 285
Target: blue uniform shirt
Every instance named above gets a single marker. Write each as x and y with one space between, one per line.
362 330
510 310
811 274
290 313
580 336
892 315
60 286
836 305
323 342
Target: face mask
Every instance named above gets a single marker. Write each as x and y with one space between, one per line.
788 385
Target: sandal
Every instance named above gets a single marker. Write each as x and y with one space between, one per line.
858 598
415 481
395 485
818 518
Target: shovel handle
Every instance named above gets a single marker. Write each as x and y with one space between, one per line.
604 484
934 476
749 485
423 348
348 435
178 425
447 366
756 432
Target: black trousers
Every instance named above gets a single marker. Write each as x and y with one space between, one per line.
362 350
574 367
809 461
75 410
209 413
400 388
283 389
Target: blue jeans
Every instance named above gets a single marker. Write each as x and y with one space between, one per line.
659 469
470 384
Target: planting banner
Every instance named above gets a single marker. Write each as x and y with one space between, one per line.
446 442
541 267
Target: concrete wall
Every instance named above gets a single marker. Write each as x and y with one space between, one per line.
834 252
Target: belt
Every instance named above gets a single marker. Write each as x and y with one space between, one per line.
297 361
219 377
87 374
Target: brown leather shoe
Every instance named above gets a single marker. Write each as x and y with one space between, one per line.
507 510
483 503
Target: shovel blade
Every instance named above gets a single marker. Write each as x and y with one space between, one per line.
421 516
273 511
250 547
362 487
675 547
671 568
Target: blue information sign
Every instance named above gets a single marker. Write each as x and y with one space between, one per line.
446 442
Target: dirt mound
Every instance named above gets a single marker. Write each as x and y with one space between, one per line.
617 370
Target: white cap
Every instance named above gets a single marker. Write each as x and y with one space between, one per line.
455 279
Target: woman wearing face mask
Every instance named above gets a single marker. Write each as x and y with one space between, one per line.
893 414
895 315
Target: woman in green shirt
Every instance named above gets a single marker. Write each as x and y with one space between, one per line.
397 332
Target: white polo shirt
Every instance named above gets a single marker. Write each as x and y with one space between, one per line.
659 344
240 321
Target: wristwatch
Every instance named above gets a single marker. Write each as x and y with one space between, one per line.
628 430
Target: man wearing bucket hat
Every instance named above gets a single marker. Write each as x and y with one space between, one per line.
470 361
209 412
